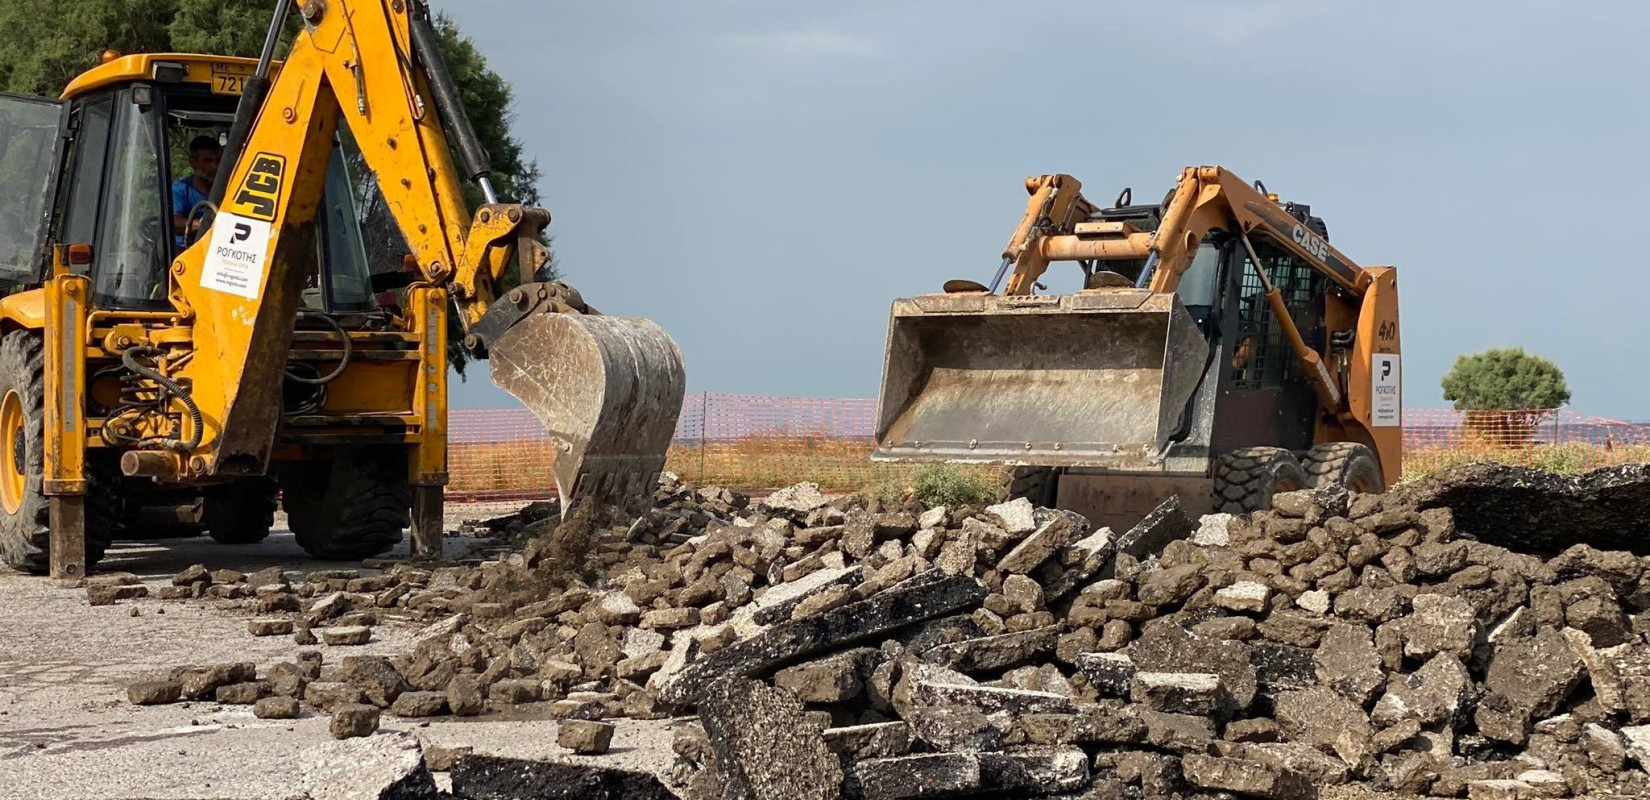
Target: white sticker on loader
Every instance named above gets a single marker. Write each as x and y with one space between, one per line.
1386 384
235 262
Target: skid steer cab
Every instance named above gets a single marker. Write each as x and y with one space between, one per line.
195 328
1214 346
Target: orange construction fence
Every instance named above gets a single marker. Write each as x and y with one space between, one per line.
755 442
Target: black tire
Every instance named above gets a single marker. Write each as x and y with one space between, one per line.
352 507
1346 463
241 512
1036 484
1246 479
25 511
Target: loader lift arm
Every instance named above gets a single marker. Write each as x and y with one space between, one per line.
610 404
1055 228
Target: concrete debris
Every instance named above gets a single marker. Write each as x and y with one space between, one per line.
389 766
851 648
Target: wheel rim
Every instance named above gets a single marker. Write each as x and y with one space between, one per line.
13 453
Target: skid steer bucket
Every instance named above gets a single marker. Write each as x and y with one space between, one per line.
1101 378
608 391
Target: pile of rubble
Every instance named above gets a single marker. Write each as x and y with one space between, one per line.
837 648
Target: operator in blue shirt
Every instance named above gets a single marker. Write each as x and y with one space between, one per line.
204 154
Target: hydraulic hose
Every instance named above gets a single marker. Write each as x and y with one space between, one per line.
343 363
129 358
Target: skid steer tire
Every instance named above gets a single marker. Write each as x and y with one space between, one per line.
353 507
1346 463
1246 479
25 511
241 512
1036 484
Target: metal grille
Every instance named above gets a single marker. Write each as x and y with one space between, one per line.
1263 357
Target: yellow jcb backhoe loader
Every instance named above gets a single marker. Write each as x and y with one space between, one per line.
242 346
1220 349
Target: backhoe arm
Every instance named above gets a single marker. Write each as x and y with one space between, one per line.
371 65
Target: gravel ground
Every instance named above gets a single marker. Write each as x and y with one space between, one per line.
68 733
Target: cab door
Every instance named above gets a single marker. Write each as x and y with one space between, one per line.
33 131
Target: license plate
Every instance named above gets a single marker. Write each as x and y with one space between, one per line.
229 79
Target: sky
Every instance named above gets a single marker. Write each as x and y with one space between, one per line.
764 178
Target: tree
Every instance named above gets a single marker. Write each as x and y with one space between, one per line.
1505 379
1505 393
44 44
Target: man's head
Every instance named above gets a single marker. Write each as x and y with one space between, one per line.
204 153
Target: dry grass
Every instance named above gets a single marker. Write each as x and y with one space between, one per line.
844 465
757 462
1568 459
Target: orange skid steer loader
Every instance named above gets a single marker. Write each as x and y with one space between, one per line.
1220 349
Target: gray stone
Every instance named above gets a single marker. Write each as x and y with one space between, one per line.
1181 693
797 500
352 720
1038 547
1604 747
1213 531
1601 618
1088 556
153 693
1319 768
327 695
953 727
1325 719
779 602
990 699
834 679
1015 516
1536 673
875 740
1248 778
375 677
763 744
1636 739
419 704
922 597
269 627
242 694
386 767
1248 597
1036 769
491 778
464 696
1167 523
514 691
1316 601
1347 662
1170 648
1438 624
584 737
1501 789
1172 586
617 608
997 653
1111 674
347 635
1432 695
1177 733
1257 729
926 775
276 708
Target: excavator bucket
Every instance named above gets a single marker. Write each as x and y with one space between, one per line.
1101 378
608 391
